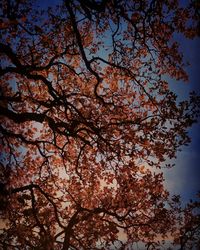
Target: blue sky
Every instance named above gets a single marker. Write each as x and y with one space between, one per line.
184 178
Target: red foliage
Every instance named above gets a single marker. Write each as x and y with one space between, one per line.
86 119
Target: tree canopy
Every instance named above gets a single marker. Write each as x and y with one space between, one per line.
88 121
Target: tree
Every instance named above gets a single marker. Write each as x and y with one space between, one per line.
188 230
87 119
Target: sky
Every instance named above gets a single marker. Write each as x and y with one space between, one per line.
184 178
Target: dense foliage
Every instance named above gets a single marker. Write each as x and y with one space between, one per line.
87 122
